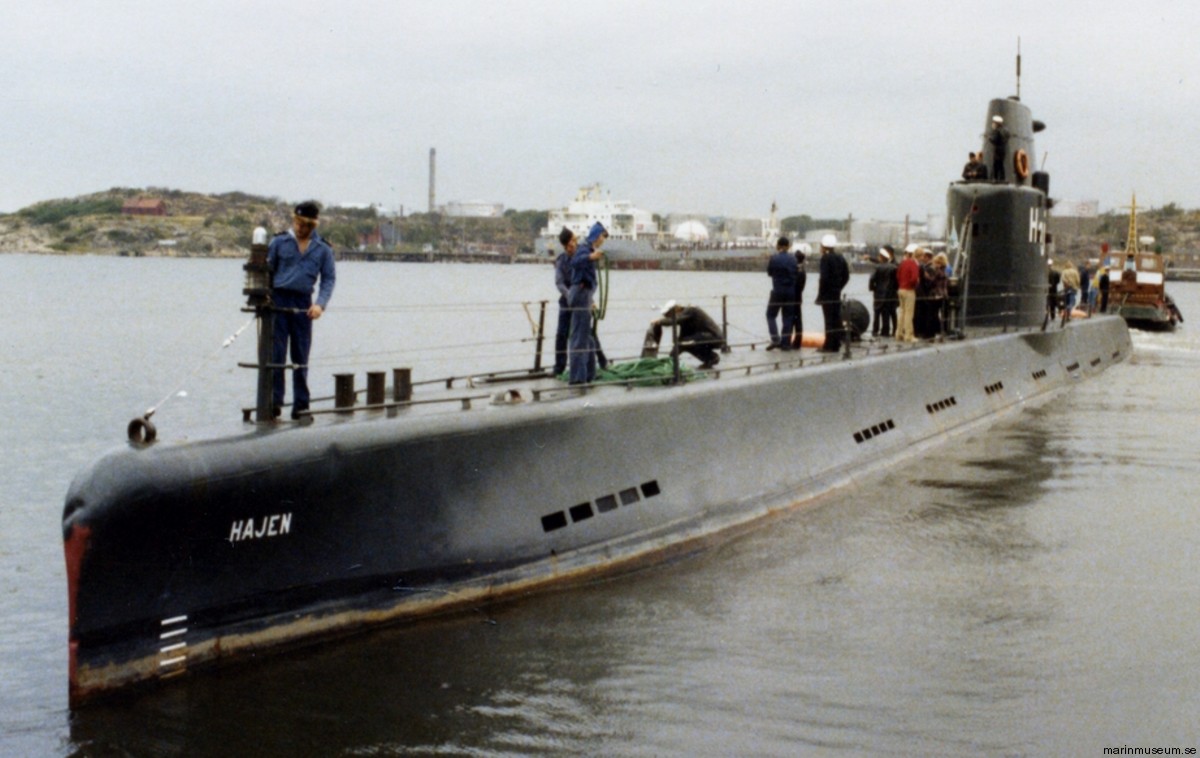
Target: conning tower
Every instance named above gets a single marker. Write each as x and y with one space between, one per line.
999 223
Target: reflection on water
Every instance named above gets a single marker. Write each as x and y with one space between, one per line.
905 603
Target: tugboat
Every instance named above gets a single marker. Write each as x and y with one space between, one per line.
1137 293
183 554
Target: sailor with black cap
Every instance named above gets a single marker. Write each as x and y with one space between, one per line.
783 269
562 281
298 258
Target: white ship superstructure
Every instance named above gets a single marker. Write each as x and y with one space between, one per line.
592 204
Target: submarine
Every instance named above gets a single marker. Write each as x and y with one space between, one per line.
185 555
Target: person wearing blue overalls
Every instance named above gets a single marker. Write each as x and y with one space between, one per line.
297 259
581 345
562 281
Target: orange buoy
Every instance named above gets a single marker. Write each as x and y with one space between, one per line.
812 339
1021 163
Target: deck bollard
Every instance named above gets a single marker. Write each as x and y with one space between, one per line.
343 394
376 387
402 384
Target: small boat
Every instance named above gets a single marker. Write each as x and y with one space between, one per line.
1137 292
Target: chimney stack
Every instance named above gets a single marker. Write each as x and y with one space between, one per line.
432 178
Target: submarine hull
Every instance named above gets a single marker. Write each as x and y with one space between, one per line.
182 556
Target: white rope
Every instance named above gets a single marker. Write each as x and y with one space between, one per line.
228 341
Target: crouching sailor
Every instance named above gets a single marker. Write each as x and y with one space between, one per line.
699 335
297 259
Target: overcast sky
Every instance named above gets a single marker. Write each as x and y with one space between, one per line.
827 108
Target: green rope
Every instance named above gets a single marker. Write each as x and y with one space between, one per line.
603 286
644 372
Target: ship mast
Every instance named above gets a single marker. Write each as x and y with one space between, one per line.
1131 242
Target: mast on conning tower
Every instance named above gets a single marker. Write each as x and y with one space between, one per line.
1018 68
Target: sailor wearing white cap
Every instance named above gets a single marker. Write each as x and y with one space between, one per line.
998 139
835 273
883 290
697 333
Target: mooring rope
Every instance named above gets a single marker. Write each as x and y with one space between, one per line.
228 341
602 310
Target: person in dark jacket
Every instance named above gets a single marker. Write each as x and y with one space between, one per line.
884 290
802 252
926 321
974 171
835 273
998 139
939 294
1052 278
698 334
1085 286
562 281
783 270
1103 285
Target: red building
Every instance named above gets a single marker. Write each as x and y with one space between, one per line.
144 206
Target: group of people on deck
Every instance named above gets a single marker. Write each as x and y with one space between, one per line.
788 280
922 285
576 347
1084 285
911 302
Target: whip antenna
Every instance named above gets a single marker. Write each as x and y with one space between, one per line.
1018 68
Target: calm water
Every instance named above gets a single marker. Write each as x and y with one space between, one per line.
1031 590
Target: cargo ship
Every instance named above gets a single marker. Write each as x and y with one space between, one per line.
182 555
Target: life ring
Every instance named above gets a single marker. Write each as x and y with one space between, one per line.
141 430
1021 164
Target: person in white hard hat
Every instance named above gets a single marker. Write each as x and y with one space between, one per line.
998 139
835 273
883 290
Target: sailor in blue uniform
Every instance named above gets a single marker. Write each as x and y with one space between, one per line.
297 259
562 281
581 345
783 270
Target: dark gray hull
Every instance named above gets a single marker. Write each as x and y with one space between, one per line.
182 556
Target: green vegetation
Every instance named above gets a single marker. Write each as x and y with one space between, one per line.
56 211
221 225
532 222
798 226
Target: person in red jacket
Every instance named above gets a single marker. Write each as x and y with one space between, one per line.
907 276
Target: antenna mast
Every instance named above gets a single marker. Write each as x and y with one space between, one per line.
1018 68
